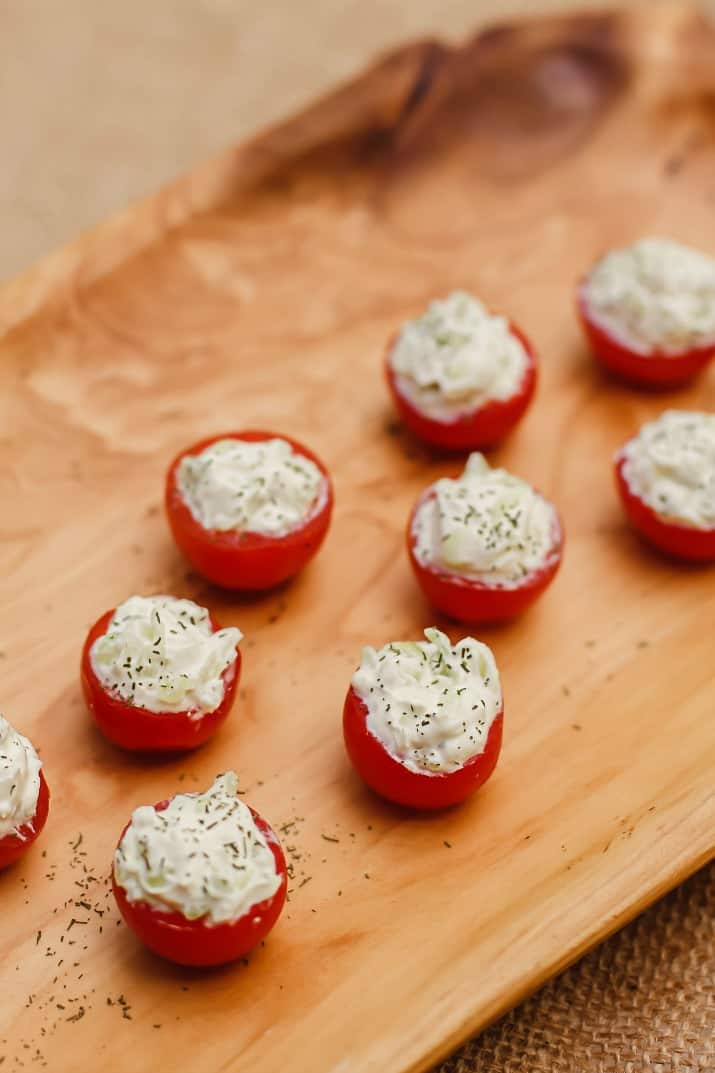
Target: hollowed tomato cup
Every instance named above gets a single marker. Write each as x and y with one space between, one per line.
392 780
198 942
145 731
247 561
475 429
18 842
473 601
681 541
656 369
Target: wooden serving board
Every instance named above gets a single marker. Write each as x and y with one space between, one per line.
260 292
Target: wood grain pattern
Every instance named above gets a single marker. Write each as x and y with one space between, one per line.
260 292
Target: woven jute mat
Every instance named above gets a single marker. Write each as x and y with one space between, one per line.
643 1002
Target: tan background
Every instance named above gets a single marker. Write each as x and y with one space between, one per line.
101 102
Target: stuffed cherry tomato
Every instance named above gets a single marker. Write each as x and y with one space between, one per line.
422 720
158 674
485 545
666 479
24 794
648 311
460 377
201 878
248 509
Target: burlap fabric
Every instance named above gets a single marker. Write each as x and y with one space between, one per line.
642 1002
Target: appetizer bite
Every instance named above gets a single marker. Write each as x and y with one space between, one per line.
648 311
200 878
248 509
24 794
159 674
423 720
484 545
666 479
460 376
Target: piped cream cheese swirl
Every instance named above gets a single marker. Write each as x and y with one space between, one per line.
203 856
430 703
656 295
457 357
19 779
487 524
162 654
257 487
670 465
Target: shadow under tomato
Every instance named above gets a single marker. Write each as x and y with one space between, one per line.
12 867
149 965
411 447
186 582
110 756
602 378
376 809
500 628
247 597
636 546
612 380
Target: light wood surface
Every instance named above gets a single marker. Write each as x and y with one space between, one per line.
504 166
103 103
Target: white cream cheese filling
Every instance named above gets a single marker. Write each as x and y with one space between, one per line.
256 487
19 779
457 357
203 856
161 653
670 465
656 295
486 525
430 703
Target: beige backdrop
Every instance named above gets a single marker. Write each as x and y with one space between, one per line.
101 102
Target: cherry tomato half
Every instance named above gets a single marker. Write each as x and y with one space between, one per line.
469 600
476 429
391 779
17 843
654 369
681 541
141 730
196 942
245 561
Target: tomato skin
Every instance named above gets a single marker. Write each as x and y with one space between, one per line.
681 541
655 370
395 782
17 843
140 730
193 942
249 562
477 429
467 600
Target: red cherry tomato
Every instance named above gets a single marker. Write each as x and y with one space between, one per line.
680 541
468 600
390 778
654 369
141 730
17 843
476 429
245 561
197 942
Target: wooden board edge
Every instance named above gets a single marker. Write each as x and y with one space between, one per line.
378 98
375 96
606 926
261 159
